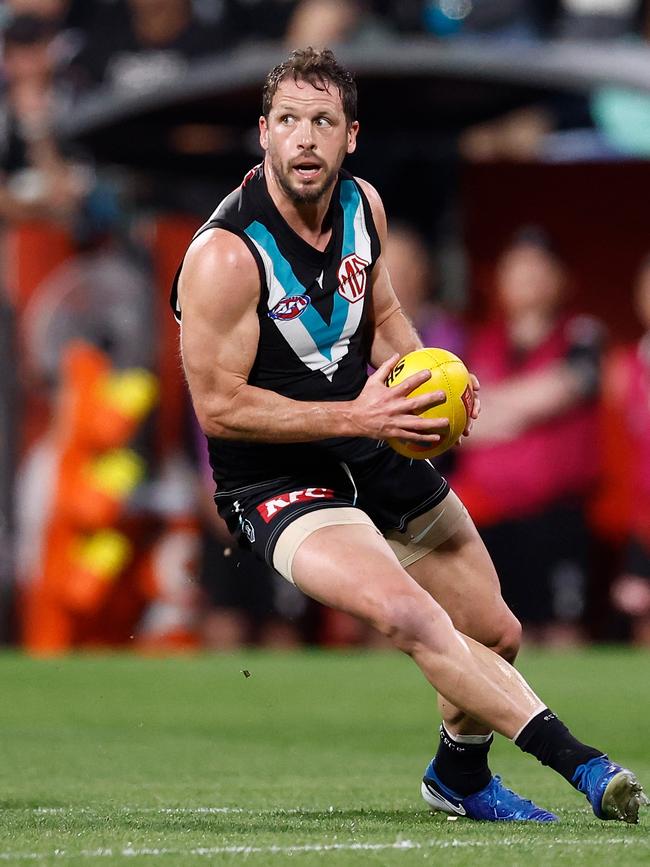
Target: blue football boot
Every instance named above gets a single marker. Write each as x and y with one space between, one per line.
613 791
494 803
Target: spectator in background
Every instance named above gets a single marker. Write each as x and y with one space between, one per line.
496 19
246 602
53 11
413 274
37 179
139 45
303 22
628 393
517 20
609 122
323 23
532 461
133 47
329 21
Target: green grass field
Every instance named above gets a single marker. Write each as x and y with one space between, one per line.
313 759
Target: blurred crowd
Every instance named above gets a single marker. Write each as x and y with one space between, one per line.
116 539
56 52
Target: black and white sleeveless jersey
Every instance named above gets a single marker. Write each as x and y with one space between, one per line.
314 318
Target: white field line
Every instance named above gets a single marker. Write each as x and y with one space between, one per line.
279 811
190 811
169 811
398 845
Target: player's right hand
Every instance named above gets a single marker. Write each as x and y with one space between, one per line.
381 413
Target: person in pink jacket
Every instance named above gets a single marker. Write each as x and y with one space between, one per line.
629 384
527 471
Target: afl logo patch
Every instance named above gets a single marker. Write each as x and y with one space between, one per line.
352 277
290 307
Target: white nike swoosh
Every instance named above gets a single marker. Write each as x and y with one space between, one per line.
457 809
423 533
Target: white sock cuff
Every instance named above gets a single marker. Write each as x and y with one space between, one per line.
535 713
466 739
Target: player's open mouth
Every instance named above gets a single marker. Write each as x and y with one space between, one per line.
307 170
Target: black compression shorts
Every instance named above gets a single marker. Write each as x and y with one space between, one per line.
389 488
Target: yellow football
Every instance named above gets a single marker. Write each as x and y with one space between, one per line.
448 374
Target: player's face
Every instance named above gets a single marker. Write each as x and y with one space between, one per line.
306 137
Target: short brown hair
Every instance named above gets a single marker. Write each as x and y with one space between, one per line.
318 68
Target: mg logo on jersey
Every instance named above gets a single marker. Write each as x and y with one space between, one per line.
352 277
270 508
290 307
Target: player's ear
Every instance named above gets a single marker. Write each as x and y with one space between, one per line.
264 133
353 129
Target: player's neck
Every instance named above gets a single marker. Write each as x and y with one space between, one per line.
306 220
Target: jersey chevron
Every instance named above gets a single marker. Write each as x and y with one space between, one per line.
318 344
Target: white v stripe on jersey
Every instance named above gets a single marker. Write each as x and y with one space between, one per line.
302 333
293 330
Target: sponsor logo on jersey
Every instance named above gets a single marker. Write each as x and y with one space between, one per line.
352 278
269 509
290 307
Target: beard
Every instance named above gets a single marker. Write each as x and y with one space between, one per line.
309 194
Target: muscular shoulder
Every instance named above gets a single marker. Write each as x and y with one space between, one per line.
376 206
216 263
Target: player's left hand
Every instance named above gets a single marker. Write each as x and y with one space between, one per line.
476 406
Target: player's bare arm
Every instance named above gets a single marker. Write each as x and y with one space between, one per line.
219 292
393 330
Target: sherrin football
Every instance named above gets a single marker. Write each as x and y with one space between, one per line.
448 374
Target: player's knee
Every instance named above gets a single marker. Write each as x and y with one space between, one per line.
509 640
414 620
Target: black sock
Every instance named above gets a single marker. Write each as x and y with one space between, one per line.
463 767
550 741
